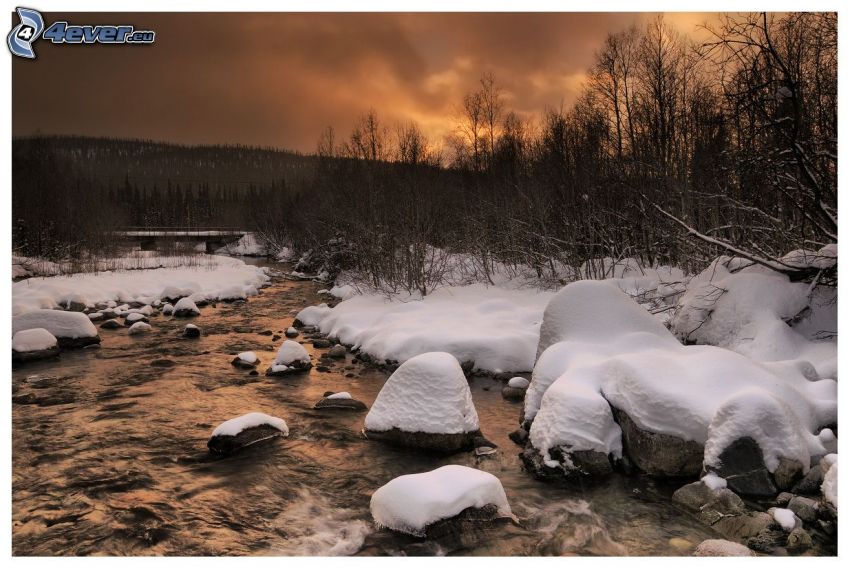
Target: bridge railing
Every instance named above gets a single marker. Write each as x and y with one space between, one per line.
179 231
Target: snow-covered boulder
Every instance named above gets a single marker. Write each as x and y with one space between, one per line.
611 380
292 357
515 389
186 307
425 403
246 430
191 331
134 317
167 309
761 314
414 503
722 548
830 484
291 332
139 328
71 329
34 344
245 360
232 293
341 400
112 324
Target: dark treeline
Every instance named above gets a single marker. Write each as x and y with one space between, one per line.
674 152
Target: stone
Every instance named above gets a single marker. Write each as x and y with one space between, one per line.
242 364
742 465
295 367
340 404
658 454
520 436
722 548
787 473
191 331
771 541
513 393
96 316
799 541
35 355
73 343
434 442
484 447
468 366
337 351
805 508
321 343
783 498
465 530
745 526
291 333
163 362
226 444
75 306
275 338
587 465
810 483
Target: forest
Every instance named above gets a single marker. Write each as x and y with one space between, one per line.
674 152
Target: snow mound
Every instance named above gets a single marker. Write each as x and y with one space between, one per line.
429 394
610 352
58 322
830 483
412 502
494 327
761 314
167 309
238 424
713 481
135 316
290 352
139 328
248 245
33 340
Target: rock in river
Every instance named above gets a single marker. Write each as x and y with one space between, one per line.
71 329
245 360
186 307
291 358
34 344
341 400
244 431
191 331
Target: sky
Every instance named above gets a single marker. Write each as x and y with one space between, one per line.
279 79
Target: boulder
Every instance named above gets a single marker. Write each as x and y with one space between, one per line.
185 308
342 401
112 324
805 508
722 548
34 344
245 360
520 436
139 328
290 358
191 331
787 473
338 351
742 465
244 431
658 454
583 464
71 329
810 483
447 443
799 541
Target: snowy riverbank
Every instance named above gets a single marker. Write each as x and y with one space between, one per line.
210 276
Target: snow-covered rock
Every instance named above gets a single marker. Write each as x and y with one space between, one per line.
246 360
291 332
341 400
244 431
139 328
232 293
292 357
600 350
830 483
71 329
515 388
248 245
136 317
186 307
411 503
425 403
167 309
785 518
191 331
34 344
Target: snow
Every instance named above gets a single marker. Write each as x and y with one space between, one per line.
747 311
340 395
58 322
412 502
249 357
496 328
785 518
238 424
95 315
518 382
134 316
601 349
247 245
236 292
139 328
33 340
830 483
210 278
167 309
186 303
291 352
714 482
428 393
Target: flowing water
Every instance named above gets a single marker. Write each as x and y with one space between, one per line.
110 457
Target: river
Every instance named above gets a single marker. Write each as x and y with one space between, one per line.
110 457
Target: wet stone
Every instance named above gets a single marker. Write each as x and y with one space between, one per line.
227 444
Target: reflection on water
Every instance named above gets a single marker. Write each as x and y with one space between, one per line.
109 457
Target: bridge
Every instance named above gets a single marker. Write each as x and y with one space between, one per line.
149 237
